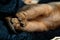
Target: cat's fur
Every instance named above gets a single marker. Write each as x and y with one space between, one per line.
30 1
39 17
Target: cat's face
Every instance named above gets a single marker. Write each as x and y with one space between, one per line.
31 1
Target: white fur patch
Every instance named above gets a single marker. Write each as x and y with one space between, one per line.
35 1
30 1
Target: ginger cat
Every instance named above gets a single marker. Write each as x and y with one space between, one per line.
38 17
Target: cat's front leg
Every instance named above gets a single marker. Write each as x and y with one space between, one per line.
34 11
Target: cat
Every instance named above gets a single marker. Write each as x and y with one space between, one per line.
37 17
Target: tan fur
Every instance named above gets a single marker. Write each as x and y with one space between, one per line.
40 17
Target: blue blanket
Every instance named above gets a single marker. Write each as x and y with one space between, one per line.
10 7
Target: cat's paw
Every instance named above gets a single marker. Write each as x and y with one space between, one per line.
15 23
22 18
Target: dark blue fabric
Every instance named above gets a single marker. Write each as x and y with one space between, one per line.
4 34
12 6
47 1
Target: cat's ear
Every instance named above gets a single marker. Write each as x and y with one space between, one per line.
30 1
